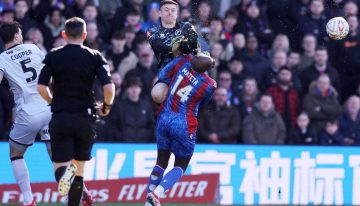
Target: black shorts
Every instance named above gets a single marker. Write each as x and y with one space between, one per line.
72 136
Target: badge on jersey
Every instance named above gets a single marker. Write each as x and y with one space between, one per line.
107 69
178 32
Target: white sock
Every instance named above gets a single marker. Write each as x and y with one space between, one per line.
159 191
21 174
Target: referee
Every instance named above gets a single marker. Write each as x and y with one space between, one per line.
73 69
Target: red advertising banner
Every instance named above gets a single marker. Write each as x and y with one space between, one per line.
190 189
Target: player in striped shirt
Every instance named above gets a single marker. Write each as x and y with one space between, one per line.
177 121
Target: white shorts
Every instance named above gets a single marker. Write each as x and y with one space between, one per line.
26 127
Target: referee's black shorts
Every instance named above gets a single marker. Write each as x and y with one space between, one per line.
72 136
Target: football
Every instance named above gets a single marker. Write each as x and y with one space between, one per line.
202 62
337 28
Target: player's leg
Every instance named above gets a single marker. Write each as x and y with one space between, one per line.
158 171
182 146
163 152
173 175
163 145
23 135
44 132
21 171
158 92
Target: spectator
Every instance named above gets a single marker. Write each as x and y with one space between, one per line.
130 36
76 8
349 121
215 33
321 102
293 61
153 18
122 13
279 16
249 96
286 99
255 65
238 44
237 73
225 81
302 133
21 16
315 22
255 23
185 14
307 57
202 16
264 125
7 15
123 59
184 3
41 9
345 56
53 25
351 8
108 8
58 42
35 36
221 125
133 20
146 67
93 40
278 60
299 9
280 43
320 66
91 14
230 21
242 8
330 135
216 52
7 4
335 8
132 119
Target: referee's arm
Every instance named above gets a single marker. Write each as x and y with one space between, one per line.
104 77
43 84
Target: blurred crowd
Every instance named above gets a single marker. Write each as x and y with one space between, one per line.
281 80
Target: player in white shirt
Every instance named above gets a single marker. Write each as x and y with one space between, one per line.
21 64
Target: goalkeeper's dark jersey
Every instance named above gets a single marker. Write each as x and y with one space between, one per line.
160 40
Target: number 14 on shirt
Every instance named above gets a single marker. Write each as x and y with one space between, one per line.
182 92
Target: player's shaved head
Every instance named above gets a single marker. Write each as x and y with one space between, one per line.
75 27
8 30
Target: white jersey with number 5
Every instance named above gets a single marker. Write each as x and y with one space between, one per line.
21 66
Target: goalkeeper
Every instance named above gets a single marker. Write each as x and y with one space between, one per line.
169 39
